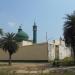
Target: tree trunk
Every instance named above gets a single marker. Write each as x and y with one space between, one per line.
74 55
73 49
74 58
9 59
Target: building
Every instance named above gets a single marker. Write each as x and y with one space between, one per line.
42 52
58 50
30 50
23 38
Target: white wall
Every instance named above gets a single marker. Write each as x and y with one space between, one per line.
63 50
25 43
51 52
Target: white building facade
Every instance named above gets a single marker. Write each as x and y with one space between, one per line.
58 50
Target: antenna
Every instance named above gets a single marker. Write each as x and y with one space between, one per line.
46 37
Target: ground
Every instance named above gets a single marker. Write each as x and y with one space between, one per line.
34 68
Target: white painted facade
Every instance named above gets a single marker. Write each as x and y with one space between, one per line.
25 43
62 49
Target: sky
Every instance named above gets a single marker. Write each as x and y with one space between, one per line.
48 15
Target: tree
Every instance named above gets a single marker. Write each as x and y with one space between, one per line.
1 34
9 44
1 31
69 32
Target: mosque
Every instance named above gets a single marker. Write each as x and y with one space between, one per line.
23 37
30 50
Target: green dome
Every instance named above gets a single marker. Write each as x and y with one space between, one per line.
21 35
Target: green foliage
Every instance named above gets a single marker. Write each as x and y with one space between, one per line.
9 44
56 63
1 31
67 61
69 31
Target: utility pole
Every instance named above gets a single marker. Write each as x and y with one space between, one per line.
46 37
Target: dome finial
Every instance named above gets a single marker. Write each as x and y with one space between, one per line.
20 28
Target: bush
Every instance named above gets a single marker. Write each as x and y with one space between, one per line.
67 61
56 62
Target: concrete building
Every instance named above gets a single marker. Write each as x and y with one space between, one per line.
58 50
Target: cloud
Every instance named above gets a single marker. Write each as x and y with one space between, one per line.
12 24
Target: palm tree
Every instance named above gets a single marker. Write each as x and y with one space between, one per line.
69 32
1 34
1 31
9 44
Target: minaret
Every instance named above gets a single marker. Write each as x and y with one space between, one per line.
34 33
